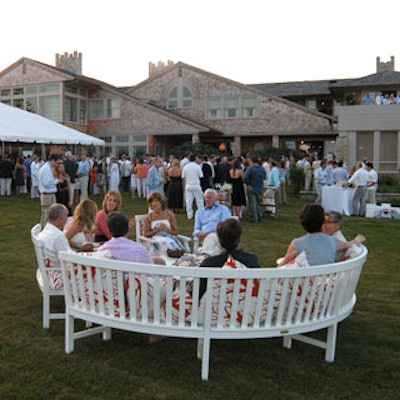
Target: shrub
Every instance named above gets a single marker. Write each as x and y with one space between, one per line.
297 178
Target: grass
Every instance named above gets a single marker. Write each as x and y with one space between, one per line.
33 364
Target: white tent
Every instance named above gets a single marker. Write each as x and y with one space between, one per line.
17 125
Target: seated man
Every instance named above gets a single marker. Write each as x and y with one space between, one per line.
229 233
54 241
120 247
333 227
207 219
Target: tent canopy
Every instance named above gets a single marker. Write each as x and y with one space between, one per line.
18 125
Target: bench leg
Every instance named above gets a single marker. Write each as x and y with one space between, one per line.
205 362
331 343
46 311
287 342
107 333
69 334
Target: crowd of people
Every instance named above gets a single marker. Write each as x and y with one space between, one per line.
242 183
381 99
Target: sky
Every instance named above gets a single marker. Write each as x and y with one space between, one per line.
249 41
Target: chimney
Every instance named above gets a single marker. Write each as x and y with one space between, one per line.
70 62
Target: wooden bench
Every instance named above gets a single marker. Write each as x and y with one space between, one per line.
238 304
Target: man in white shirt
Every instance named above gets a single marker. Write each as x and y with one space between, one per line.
125 172
359 178
54 241
47 187
372 183
192 173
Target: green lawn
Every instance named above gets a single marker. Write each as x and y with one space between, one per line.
33 364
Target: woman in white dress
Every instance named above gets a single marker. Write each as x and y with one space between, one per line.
113 176
160 224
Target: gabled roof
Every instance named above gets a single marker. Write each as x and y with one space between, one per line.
296 89
383 78
257 91
95 84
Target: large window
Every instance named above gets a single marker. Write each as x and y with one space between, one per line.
105 109
231 107
42 99
179 97
75 105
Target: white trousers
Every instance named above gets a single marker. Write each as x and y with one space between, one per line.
193 193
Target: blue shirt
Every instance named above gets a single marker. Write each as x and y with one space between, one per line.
320 248
254 177
273 178
154 179
207 219
83 168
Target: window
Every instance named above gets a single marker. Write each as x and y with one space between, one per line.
97 111
388 151
231 108
18 91
50 107
82 111
179 97
139 145
5 92
213 108
249 107
71 109
105 109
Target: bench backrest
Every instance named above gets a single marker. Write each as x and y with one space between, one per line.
247 298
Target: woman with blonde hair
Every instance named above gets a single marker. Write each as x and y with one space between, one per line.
79 230
112 202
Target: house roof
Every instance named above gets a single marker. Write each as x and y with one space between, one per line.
384 78
297 89
93 84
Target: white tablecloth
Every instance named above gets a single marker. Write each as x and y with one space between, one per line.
337 198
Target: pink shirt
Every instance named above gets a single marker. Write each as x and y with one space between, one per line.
101 223
124 249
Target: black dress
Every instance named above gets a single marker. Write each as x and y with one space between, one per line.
238 195
62 195
175 193
19 177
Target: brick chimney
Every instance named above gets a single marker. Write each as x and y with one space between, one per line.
70 62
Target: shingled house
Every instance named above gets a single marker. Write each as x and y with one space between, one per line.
179 103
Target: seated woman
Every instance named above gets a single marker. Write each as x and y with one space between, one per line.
229 233
160 224
319 248
112 202
79 230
